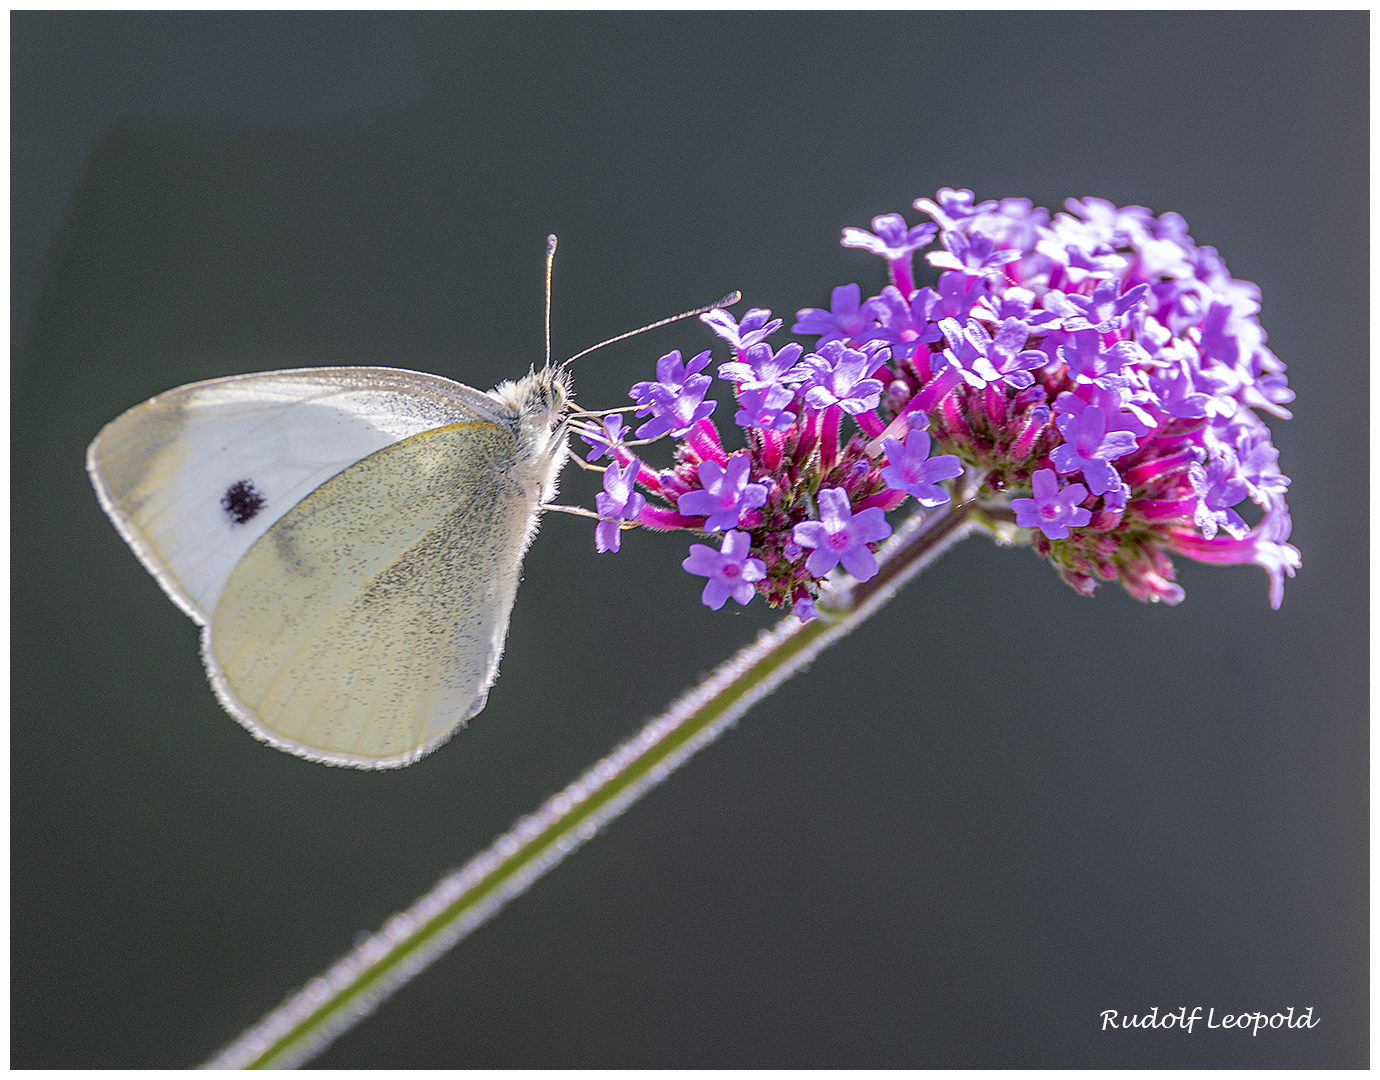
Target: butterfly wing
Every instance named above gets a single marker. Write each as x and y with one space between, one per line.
366 624
194 477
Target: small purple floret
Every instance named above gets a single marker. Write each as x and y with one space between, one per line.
604 441
618 501
973 255
725 494
955 297
841 376
1090 447
757 325
676 399
768 409
1264 545
889 237
1219 488
841 536
1088 361
954 209
729 570
904 324
911 469
1105 310
847 320
982 359
1052 511
761 367
1018 303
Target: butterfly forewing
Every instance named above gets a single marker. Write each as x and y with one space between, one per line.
192 478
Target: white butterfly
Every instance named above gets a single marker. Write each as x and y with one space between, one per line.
349 540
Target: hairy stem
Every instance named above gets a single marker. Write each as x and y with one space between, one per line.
330 1004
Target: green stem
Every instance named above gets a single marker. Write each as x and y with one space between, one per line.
329 1005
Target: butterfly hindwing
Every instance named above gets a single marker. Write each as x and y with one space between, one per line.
366 625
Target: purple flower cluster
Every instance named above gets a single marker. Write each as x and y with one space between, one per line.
1095 374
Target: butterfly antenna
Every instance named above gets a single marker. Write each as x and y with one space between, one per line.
727 301
550 258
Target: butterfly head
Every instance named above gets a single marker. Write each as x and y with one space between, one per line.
538 404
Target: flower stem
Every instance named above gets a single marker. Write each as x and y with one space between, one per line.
329 1005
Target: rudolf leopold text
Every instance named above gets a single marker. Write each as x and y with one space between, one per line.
1254 1022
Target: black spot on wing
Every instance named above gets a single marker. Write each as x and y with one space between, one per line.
242 500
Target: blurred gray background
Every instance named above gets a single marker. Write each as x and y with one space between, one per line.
995 811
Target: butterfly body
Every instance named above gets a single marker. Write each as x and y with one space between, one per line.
350 540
